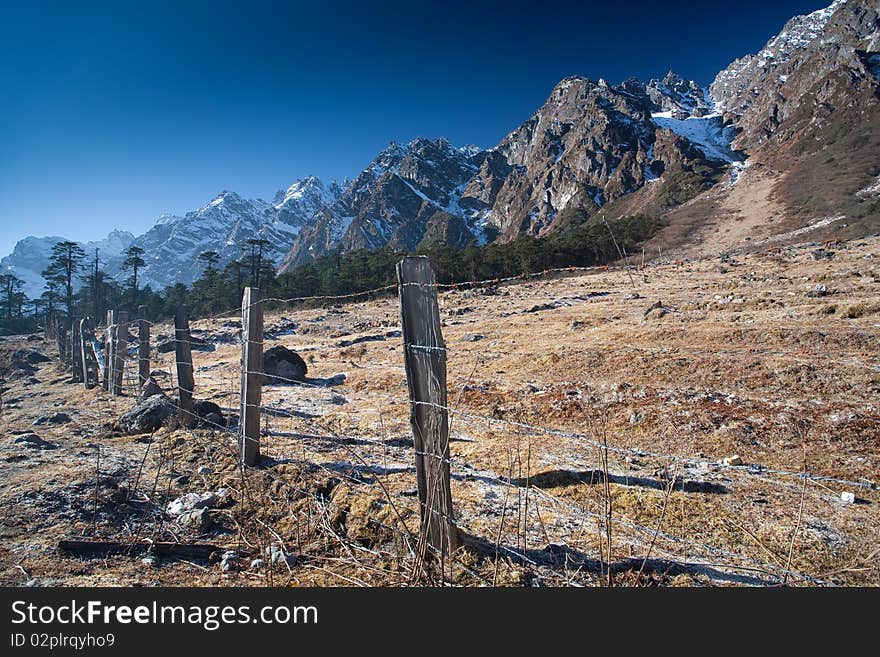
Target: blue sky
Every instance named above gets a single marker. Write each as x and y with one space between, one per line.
115 113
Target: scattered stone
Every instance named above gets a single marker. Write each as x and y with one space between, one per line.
55 418
147 415
283 365
847 498
632 295
458 312
578 324
151 387
210 413
191 501
472 337
204 470
229 561
278 556
822 254
150 561
33 441
256 564
30 356
198 519
181 481
819 290
196 344
635 418
657 310
732 460
160 374
379 337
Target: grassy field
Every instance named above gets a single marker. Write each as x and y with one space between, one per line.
740 358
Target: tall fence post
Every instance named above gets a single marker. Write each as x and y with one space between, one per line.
108 349
83 357
424 356
251 375
60 340
76 366
69 347
120 351
88 355
143 348
183 354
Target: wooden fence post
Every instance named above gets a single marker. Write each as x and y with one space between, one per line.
60 340
424 357
89 357
143 348
183 354
76 366
108 349
251 375
120 351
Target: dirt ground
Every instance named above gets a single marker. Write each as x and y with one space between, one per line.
768 359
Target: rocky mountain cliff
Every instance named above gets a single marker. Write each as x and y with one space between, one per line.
818 65
591 142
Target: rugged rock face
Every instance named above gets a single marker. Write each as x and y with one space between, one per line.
392 200
818 65
588 144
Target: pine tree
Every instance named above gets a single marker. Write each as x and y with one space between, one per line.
64 263
133 261
258 246
12 299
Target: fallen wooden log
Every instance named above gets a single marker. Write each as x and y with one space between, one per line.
106 548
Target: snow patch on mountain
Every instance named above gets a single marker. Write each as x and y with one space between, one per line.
708 133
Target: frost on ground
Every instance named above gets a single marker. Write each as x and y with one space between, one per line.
754 358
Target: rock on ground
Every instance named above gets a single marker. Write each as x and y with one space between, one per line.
147 415
283 365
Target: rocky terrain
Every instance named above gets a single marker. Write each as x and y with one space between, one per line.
714 381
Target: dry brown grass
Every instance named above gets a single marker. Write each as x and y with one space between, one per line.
741 358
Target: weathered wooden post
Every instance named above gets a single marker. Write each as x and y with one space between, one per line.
70 347
89 357
76 366
83 357
108 349
251 375
143 348
424 357
60 340
120 351
183 354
